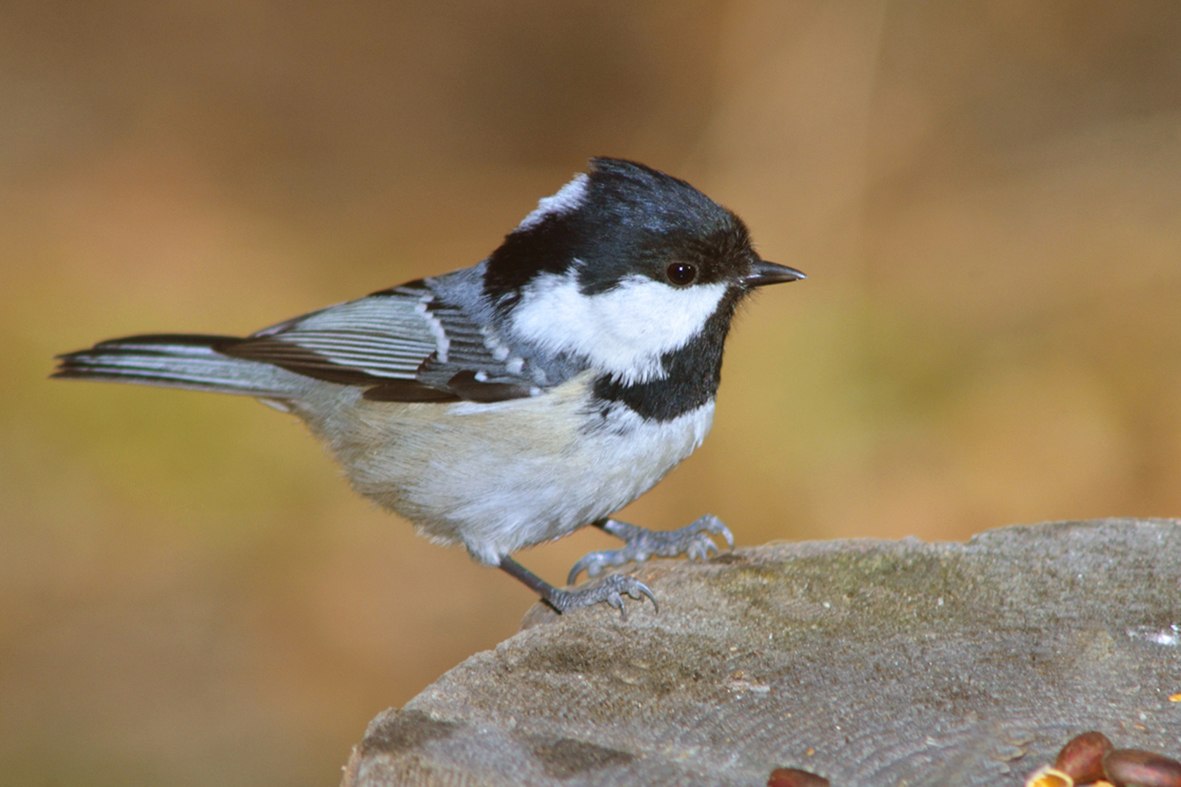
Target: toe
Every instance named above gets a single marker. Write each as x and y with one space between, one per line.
592 564
640 588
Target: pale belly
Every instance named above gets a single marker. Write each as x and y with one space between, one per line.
499 477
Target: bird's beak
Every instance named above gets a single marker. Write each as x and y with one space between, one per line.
763 272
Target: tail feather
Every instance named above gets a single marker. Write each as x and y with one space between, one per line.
191 361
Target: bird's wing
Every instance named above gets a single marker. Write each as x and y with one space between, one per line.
405 344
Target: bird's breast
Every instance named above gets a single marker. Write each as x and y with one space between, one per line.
505 475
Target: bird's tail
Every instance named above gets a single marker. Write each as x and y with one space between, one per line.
190 361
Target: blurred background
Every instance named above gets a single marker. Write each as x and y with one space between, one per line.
986 197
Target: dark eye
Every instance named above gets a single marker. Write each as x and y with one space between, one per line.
681 273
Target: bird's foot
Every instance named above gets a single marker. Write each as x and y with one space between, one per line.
611 590
695 541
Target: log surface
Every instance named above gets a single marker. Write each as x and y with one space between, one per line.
866 662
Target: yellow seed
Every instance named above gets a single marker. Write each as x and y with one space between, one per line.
1049 777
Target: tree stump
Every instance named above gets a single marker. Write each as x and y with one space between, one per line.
865 662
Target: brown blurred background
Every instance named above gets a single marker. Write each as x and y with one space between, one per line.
987 199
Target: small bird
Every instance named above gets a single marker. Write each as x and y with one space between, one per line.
513 402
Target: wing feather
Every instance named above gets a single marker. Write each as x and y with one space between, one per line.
404 344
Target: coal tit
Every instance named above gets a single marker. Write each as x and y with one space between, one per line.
515 401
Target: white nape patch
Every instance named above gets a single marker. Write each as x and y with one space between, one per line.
567 200
624 331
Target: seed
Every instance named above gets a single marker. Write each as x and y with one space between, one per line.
1049 777
1142 768
1082 756
794 777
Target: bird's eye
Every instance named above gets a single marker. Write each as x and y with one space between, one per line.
681 273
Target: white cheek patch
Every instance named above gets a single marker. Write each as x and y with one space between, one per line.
567 200
624 331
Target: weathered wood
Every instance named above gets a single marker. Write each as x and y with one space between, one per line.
867 662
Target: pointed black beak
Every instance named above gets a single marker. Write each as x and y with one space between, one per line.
763 272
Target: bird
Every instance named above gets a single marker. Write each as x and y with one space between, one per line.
510 403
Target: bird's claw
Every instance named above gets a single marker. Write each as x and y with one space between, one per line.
695 541
593 564
611 590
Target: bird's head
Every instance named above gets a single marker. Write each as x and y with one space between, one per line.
622 266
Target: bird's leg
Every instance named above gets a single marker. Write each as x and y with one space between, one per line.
611 590
694 541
